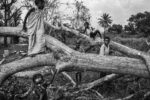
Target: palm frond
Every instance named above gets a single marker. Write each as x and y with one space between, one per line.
105 20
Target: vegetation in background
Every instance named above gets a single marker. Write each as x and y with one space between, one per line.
116 29
140 23
81 15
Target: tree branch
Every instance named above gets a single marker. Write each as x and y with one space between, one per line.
27 63
99 81
69 78
46 70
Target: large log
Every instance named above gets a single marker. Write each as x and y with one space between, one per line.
77 61
92 62
27 63
80 61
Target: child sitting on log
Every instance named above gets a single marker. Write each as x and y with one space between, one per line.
34 26
105 49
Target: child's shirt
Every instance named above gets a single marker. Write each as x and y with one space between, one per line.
104 50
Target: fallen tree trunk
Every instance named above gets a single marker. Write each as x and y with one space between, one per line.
80 61
20 65
91 62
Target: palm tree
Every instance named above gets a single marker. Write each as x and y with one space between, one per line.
105 21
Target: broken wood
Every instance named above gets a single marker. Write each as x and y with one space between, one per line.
99 82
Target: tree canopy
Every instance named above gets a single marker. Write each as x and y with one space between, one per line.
105 20
116 28
139 23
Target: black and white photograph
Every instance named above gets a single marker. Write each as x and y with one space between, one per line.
74 49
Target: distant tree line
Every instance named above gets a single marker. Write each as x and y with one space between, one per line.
138 24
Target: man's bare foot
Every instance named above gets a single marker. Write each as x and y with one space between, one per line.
33 55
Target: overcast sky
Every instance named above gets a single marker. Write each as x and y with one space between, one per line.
120 10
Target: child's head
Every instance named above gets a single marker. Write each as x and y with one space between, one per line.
40 4
106 40
38 79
